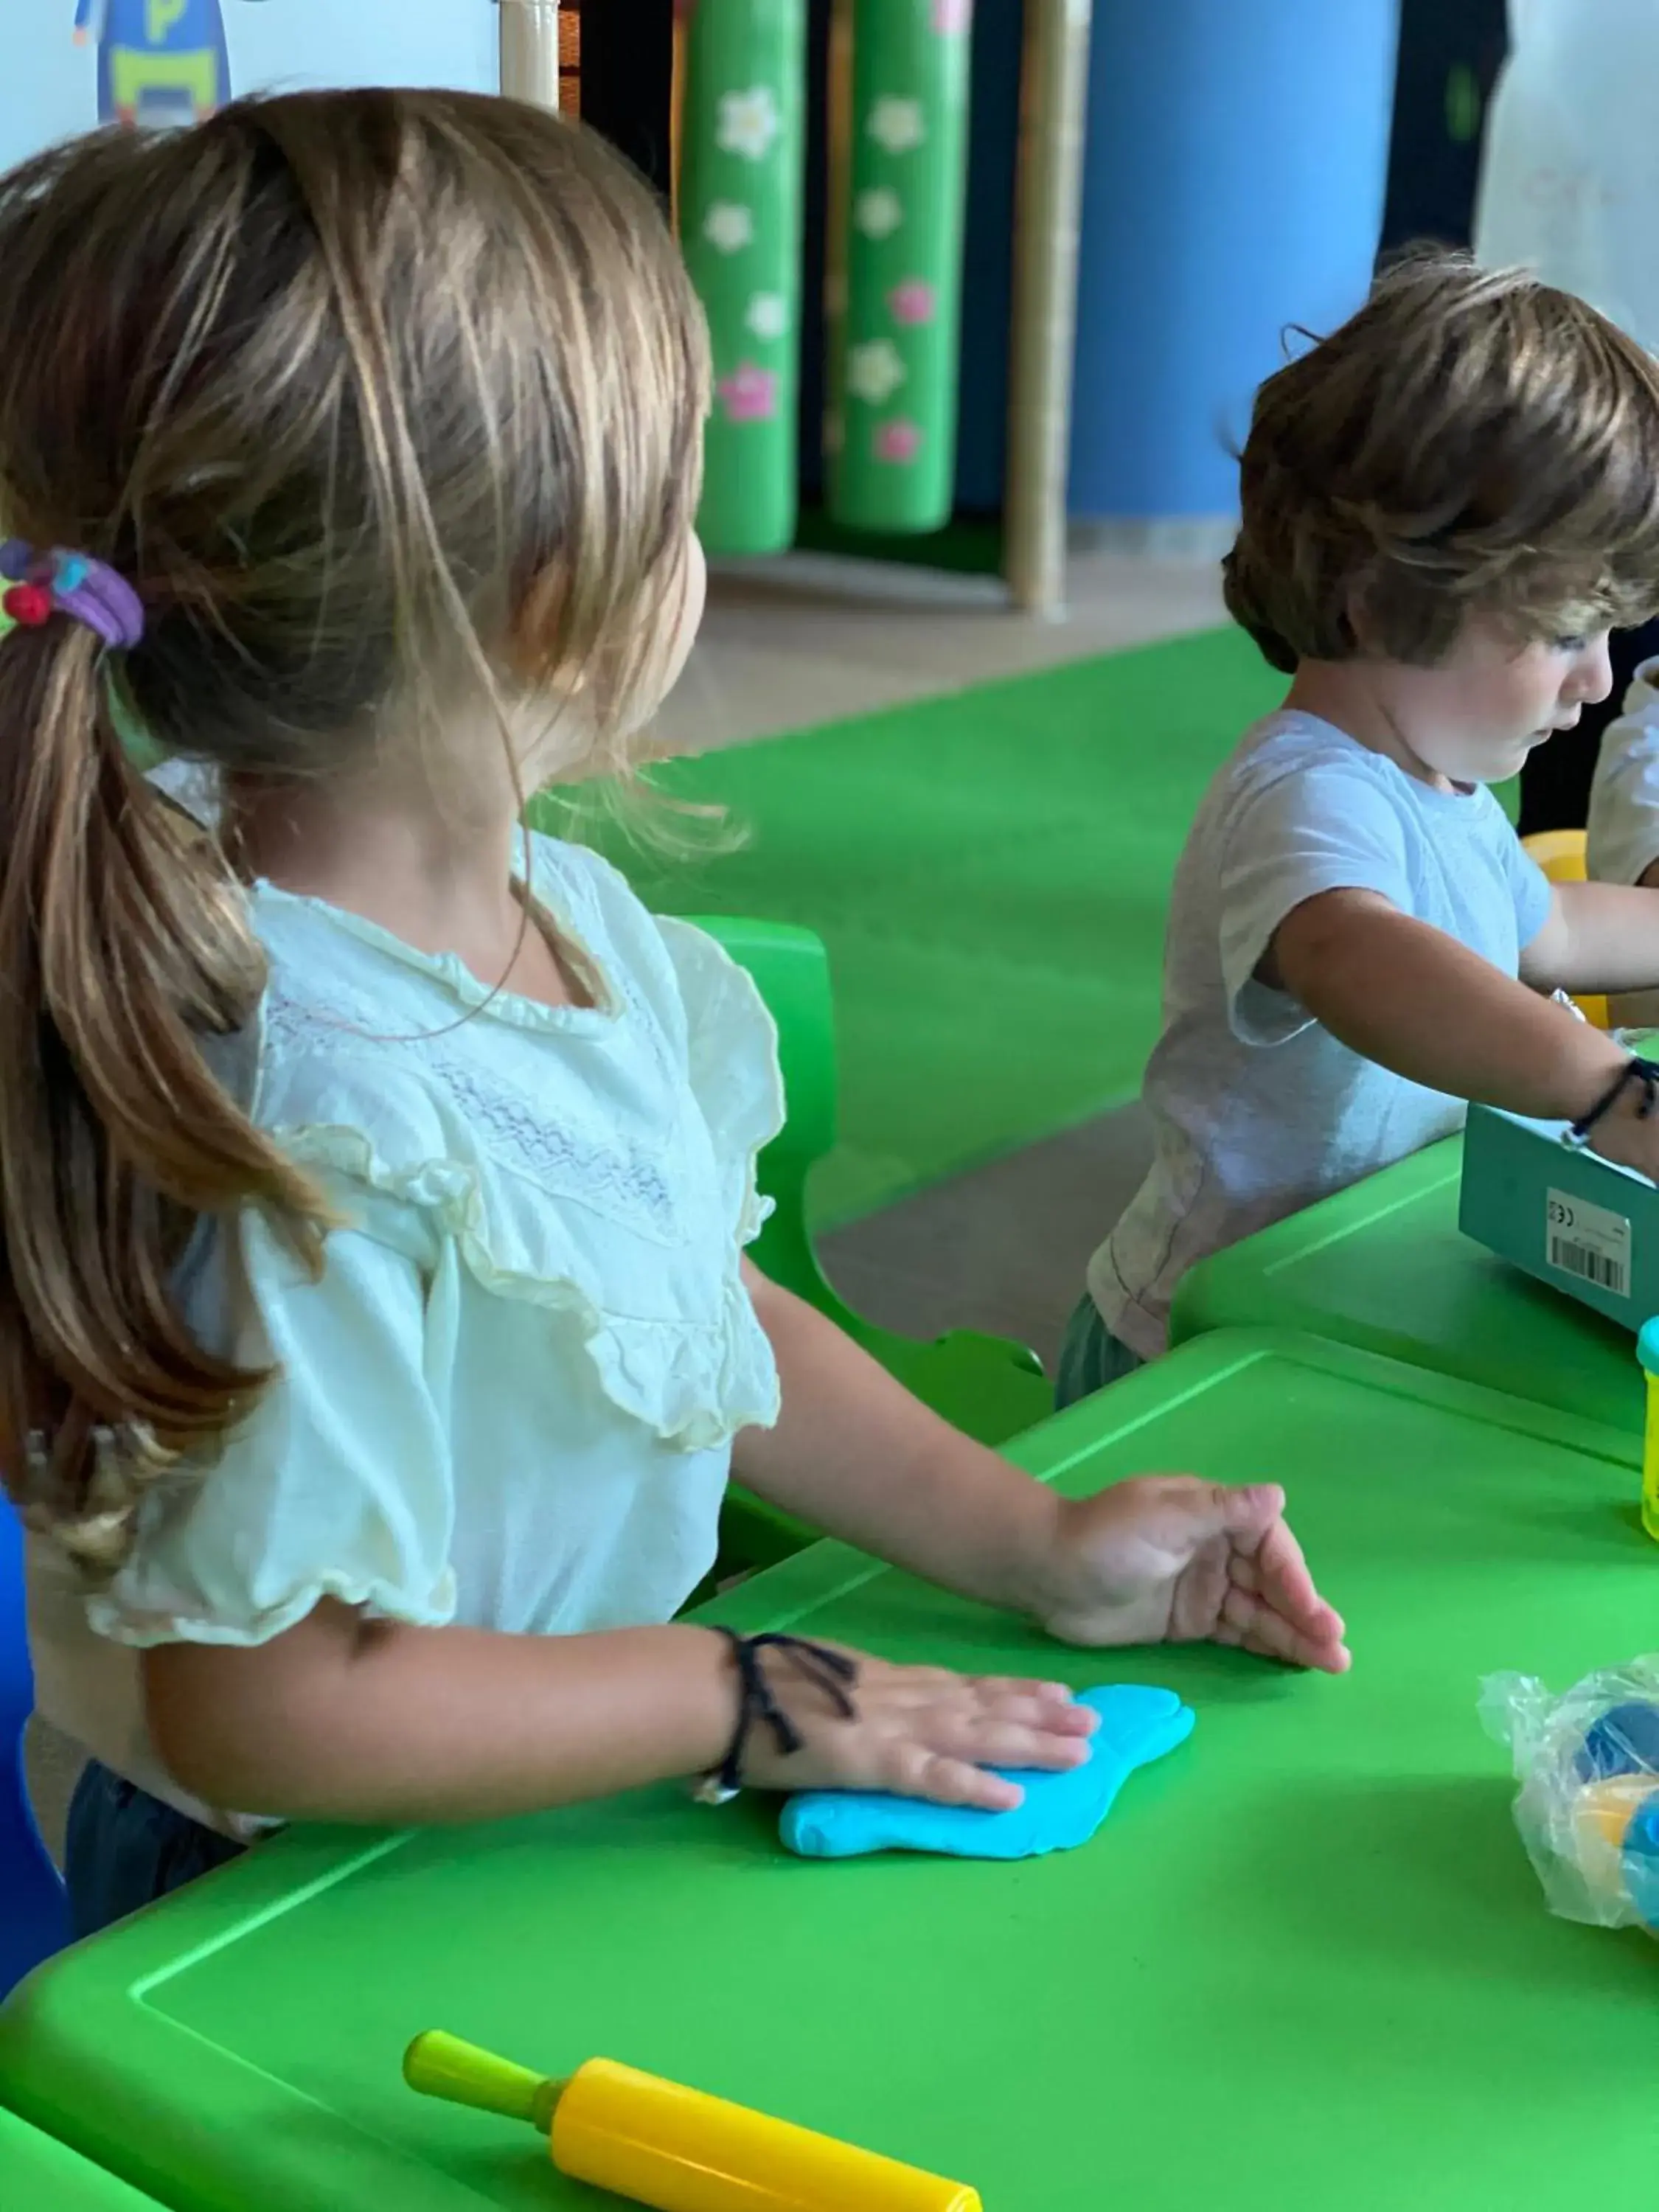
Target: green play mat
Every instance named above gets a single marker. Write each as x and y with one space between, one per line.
989 870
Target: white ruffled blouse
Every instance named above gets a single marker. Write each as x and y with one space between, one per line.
510 1402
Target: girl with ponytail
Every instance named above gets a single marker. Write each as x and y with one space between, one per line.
376 1339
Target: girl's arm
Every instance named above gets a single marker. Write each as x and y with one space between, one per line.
346 1719
853 1453
1164 1558
269 1697
349 1718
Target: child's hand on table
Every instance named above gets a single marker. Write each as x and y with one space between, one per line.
920 1732
1168 1558
1165 1559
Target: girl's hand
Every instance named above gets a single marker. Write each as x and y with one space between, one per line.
1172 1559
919 1732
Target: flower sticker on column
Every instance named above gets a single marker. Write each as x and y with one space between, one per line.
911 303
899 440
748 122
952 19
874 371
728 227
897 125
750 394
767 315
879 213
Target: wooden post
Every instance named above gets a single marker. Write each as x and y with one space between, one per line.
1054 86
530 51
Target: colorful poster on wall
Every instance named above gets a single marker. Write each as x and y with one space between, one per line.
159 61
69 62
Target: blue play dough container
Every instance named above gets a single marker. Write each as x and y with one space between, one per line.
1625 1741
1639 1862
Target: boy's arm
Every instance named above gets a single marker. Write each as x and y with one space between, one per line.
1599 937
1414 999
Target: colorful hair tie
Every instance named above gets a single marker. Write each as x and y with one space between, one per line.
57 582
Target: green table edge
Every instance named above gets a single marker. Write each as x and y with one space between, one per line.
56 2178
108 2105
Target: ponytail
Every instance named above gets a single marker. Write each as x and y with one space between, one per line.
123 940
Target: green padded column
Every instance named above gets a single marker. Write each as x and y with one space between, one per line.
742 158
892 431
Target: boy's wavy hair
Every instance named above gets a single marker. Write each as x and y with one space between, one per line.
389 404
1471 439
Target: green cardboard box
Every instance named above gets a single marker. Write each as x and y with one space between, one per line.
1570 1218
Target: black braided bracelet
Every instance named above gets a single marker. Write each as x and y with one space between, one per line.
1635 1070
832 1672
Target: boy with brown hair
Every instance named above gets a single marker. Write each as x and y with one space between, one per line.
1446 504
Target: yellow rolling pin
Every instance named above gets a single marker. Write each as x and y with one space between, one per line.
674 2148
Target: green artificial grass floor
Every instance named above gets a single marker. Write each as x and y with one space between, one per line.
989 870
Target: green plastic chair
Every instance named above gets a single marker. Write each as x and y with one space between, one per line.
987 1385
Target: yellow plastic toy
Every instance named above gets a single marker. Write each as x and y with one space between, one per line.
674 2148
1561 855
1647 1351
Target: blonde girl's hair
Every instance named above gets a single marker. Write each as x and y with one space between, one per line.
378 398
1471 439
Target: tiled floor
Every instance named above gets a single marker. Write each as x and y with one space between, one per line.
790 644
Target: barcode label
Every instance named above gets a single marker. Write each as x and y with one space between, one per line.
1589 1243
1589 1267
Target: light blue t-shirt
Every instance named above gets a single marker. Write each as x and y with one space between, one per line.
1257 1109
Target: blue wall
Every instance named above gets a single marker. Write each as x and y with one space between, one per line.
1237 158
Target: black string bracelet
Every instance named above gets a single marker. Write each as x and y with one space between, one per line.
1635 1070
831 1672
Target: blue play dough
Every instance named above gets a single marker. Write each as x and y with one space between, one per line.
1060 1812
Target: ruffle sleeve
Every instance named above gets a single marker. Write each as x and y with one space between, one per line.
732 1053
339 1485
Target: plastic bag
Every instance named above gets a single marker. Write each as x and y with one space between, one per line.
1588 1763
1570 172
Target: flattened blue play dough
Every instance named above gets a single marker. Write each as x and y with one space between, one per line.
1060 1812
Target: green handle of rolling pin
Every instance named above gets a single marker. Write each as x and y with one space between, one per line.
439 2065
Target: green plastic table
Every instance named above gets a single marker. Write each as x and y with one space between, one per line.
1385 1267
1306 1961
40 2175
